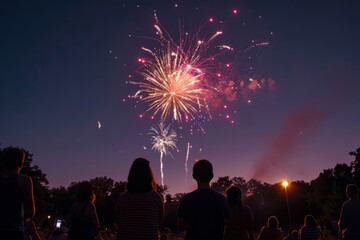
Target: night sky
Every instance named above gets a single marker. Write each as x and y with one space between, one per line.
65 67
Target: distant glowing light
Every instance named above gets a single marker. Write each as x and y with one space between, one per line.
235 11
285 183
211 20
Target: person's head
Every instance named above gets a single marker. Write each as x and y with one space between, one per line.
309 221
203 171
85 192
12 158
352 191
233 195
272 222
141 178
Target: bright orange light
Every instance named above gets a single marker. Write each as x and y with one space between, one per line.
285 183
48 216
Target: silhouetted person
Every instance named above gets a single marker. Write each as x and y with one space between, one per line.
17 198
31 232
310 230
349 221
139 211
271 231
240 225
84 223
203 212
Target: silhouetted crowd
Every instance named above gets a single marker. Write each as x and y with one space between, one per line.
203 214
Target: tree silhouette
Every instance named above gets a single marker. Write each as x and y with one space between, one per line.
356 165
221 184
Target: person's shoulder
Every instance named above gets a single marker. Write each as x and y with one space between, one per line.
24 178
123 196
92 205
303 229
24 181
189 196
155 194
218 195
193 193
353 202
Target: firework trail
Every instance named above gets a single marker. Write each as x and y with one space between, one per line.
176 81
163 139
186 161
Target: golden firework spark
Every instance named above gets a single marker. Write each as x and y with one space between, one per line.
174 76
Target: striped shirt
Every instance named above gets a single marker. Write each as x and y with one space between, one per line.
309 233
139 216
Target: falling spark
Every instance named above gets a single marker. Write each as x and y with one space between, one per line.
186 161
99 124
163 139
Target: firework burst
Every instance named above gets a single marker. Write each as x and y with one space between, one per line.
176 76
163 140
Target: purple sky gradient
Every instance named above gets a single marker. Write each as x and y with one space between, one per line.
58 79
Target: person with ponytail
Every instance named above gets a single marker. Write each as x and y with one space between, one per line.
240 225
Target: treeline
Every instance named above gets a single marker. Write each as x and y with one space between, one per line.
321 197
